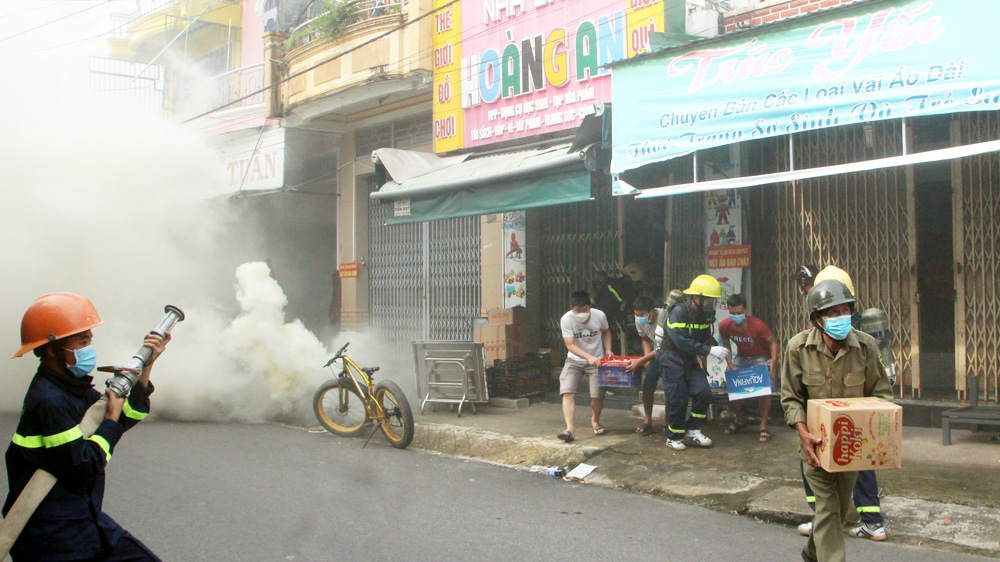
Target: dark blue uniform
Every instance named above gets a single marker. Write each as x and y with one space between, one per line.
686 335
69 523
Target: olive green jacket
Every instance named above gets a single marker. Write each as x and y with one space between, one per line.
811 371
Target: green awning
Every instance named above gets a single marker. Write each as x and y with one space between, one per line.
534 190
481 184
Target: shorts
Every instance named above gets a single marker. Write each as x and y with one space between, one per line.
569 379
744 361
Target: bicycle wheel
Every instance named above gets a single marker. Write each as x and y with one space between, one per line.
398 423
340 409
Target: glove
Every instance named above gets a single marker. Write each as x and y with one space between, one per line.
718 352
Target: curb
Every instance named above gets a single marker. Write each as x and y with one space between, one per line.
924 523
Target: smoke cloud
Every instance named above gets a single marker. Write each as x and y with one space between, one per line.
117 206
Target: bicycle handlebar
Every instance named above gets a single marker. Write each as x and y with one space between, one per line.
337 356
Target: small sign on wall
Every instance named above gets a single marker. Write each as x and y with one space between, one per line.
514 259
722 257
349 269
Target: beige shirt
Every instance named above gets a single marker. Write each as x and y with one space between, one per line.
810 370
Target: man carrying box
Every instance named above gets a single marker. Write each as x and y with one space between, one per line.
829 360
755 345
588 338
648 320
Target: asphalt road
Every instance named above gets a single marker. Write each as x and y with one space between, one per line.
230 492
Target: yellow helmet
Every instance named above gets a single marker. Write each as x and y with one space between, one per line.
837 274
634 271
706 286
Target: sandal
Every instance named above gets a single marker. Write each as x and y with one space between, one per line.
599 430
566 436
733 428
765 436
644 429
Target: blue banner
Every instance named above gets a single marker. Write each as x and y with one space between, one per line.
748 383
881 60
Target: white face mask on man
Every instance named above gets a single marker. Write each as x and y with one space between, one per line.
582 317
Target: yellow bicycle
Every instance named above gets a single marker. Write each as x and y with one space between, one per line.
352 402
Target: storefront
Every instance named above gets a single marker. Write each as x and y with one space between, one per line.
864 137
280 199
520 98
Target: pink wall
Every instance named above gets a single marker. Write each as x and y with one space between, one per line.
252 48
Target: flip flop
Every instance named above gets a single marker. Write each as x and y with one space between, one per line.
566 436
765 436
599 430
644 429
733 428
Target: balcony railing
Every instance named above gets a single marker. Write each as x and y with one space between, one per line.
144 7
237 83
363 12
223 89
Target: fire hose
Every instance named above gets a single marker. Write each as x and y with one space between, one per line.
41 482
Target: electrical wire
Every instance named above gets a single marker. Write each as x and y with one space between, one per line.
18 34
438 72
321 63
156 27
409 59
37 6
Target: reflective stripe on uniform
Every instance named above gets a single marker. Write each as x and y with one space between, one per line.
102 443
615 293
48 441
870 509
694 415
691 326
133 413
811 499
672 430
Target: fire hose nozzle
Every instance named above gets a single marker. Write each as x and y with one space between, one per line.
127 375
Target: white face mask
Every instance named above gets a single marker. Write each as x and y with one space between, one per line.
581 317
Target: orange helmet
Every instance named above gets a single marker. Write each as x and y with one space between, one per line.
54 317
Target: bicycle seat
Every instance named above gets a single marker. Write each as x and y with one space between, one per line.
369 370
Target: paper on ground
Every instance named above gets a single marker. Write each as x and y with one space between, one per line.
580 472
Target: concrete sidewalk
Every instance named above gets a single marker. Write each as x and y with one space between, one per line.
945 497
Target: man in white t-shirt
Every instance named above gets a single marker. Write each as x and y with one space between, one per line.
588 338
648 321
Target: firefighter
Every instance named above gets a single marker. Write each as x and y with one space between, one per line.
69 523
828 360
687 339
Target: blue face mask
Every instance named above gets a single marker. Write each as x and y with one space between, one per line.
86 360
738 318
641 320
838 327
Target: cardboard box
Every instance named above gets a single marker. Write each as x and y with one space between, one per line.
749 382
503 342
516 316
857 433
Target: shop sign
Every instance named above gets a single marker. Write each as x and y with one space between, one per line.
349 270
401 208
510 69
885 60
728 256
255 161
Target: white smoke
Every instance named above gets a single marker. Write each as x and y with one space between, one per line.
115 205
257 368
